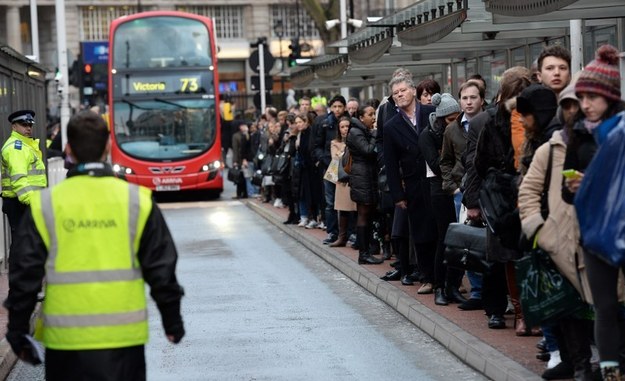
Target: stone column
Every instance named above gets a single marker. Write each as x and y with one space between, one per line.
14 36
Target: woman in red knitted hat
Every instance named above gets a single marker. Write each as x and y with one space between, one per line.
598 89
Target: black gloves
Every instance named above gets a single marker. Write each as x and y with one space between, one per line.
172 320
25 347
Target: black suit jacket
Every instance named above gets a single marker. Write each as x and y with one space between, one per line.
402 156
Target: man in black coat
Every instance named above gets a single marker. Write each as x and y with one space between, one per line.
406 173
325 132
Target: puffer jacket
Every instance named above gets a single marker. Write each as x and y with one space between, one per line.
363 178
558 235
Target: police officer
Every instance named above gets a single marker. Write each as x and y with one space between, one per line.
96 239
23 169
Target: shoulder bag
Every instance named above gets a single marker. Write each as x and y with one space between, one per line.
465 247
346 161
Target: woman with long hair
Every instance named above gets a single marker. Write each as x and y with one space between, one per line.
363 179
342 199
598 89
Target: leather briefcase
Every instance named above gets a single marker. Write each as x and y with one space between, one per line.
465 247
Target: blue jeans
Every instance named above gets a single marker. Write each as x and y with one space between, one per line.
332 219
251 188
458 204
303 209
475 279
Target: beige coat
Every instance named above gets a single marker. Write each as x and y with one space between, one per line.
342 200
559 235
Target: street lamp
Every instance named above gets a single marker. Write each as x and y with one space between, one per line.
278 29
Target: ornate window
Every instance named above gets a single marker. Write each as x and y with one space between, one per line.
94 21
289 16
228 19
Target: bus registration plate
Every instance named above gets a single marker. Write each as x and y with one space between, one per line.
165 188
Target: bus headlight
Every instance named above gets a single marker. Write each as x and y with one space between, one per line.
121 170
215 165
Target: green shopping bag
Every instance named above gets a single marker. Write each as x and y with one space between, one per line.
545 294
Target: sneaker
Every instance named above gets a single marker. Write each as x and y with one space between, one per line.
278 203
321 226
426 288
561 371
303 222
554 359
311 224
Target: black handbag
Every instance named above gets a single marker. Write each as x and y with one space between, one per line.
498 204
257 178
234 175
465 247
267 164
280 164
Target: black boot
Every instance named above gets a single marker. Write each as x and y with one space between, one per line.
454 296
439 297
364 257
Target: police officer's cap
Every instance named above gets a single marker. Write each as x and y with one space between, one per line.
24 116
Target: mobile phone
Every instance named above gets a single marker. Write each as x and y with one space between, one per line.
571 173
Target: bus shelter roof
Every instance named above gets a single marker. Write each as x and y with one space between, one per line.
466 29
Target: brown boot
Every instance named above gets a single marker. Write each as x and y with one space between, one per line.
520 328
342 238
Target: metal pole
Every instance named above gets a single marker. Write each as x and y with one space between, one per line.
577 45
282 75
63 83
261 72
34 30
343 50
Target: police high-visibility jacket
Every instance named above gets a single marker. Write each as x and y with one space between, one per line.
23 169
95 297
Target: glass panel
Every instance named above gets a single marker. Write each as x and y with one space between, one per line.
461 74
491 86
596 38
497 66
535 50
165 130
161 42
518 57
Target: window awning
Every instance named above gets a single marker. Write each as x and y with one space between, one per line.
519 8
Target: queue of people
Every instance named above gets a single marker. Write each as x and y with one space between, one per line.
419 160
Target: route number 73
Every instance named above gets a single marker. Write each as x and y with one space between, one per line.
189 84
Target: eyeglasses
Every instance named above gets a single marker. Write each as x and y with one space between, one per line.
25 124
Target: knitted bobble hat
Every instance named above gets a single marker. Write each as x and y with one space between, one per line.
445 104
601 76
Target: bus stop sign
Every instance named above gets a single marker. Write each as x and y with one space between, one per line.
255 60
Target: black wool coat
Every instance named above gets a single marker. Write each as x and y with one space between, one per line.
363 179
405 171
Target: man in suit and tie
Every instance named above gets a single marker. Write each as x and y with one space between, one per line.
406 173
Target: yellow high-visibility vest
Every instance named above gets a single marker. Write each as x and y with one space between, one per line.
23 169
95 293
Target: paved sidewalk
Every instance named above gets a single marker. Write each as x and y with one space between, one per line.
7 357
498 354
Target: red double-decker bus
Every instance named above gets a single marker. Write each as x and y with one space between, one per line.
164 102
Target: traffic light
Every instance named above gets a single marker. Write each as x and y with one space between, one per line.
296 52
87 75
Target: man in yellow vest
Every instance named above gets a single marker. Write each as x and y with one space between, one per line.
96 239
23 170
